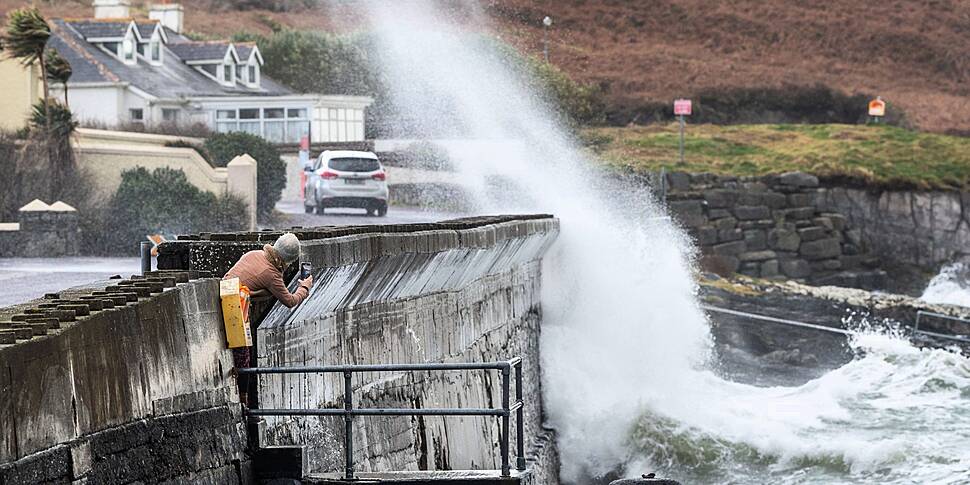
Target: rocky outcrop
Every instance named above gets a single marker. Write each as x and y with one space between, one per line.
925 229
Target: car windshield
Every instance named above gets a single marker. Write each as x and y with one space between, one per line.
355 164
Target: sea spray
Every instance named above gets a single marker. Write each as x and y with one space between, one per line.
620 321
624 341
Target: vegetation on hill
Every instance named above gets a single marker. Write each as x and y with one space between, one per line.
879 155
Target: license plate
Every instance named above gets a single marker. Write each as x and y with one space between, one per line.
354 181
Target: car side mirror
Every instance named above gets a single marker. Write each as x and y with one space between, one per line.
308 168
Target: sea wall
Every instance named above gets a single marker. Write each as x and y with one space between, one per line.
117 384
922 228
459 294
770 227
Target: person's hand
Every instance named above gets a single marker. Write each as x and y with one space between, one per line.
308 282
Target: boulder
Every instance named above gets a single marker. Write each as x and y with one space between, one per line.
752 212
825 222
769 269
802 199
799 213
688 212
820 249
678 181
774 200
798 179
720 198
757 256
756 239
784 240
730 235
725 223
705 235
729 248
812 233
795 268
713 214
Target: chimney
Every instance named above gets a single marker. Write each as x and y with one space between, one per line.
112 9
170 15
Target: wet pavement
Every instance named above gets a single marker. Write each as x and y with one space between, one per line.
24 279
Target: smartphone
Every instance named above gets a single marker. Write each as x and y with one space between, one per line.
305 270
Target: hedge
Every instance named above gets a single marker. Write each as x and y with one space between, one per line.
270 168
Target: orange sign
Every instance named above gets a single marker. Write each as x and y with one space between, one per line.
877 107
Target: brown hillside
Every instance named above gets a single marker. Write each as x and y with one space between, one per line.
914 53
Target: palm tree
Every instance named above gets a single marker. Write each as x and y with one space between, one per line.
26 39
59 71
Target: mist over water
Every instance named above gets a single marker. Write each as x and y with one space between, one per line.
625 348
951 286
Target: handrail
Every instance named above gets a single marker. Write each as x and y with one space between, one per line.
348 411
959 338
782 321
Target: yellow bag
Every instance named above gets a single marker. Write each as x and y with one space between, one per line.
235 313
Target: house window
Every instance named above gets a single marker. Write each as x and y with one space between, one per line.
226 121
170 115
339 124
277 125
128 50
249 121
253 75
136 115
228 74
155 48
297 124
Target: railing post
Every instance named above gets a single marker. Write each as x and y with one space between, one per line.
519 421
145 252
506 471
349 425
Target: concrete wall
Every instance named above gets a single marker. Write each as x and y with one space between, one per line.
21 88
435 296
42 230
927 229
104 155
457 291
137 392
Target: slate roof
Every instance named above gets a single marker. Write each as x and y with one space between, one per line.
172 80
101 28
200 51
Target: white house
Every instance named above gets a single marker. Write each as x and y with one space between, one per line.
145 71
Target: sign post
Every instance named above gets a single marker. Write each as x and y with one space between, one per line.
682 107
877 109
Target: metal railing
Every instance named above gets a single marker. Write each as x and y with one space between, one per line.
959 338
782 321
349 411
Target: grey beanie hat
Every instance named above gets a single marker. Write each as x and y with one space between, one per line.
288 247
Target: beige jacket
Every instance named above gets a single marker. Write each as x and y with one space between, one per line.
263 270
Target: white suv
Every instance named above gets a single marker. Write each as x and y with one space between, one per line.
344 178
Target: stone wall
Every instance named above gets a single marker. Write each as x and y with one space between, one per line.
770 227
927 229
42 230
129 384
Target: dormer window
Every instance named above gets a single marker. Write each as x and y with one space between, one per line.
155 49
228 74
128 49
253 79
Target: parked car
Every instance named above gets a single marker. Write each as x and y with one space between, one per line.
344 178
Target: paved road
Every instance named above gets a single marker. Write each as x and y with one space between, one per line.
23 279
342 217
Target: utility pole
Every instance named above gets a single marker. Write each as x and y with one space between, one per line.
546 23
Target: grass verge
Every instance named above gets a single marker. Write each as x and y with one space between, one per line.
884 156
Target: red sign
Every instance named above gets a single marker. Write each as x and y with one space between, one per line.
877 107
682 107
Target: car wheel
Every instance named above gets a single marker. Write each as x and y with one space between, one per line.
308 209
382 210
320 208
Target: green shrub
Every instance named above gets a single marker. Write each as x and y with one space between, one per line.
162 201
270 169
